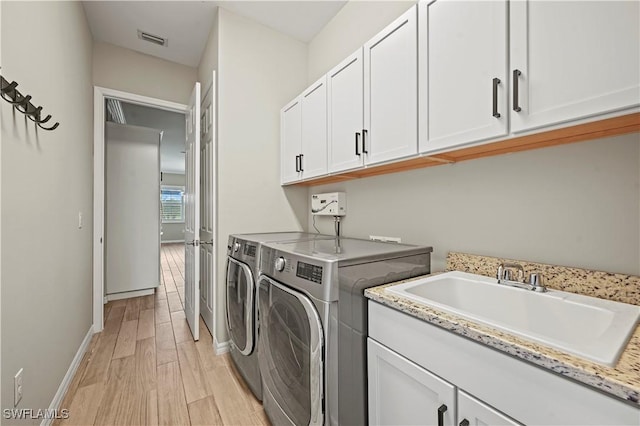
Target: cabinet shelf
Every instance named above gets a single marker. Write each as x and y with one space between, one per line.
621 125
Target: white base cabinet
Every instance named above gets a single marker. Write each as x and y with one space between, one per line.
408 355
401 392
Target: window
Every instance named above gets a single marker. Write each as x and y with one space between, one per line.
172 204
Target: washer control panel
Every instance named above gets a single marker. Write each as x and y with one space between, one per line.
309 272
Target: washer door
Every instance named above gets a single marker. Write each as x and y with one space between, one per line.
240 291
291 345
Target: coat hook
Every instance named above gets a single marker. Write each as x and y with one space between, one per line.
55 126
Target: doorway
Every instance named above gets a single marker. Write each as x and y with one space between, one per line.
170 203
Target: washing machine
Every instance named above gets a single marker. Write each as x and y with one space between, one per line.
243 253
313 324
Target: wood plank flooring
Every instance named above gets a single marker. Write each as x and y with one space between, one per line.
145 368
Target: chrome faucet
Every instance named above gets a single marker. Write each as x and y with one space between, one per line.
504 275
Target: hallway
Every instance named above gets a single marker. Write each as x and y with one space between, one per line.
145 368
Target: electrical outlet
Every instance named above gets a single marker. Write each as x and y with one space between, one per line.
385 239
80 221
17 387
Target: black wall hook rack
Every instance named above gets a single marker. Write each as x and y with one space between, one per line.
23 104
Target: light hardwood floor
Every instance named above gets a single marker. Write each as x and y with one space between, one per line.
145 368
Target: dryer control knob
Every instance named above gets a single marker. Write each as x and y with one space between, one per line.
236 247
280 264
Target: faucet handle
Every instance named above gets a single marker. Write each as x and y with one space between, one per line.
505 271
536 281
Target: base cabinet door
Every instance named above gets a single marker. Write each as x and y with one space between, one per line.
402 393
472 412
572 60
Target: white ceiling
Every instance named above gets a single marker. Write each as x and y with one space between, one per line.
173 136
186 24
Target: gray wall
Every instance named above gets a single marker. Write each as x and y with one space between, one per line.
172 231
46 180
575 205
259 70
123 69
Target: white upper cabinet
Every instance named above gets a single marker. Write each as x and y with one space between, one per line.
574 59
303 127
313 155
291 141
462 72
391 91
346 103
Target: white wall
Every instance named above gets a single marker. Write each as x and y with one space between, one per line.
352 26
575 205
46 180
173 231
123 69
209 59
259 70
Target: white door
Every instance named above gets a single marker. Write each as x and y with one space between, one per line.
473 412
463 72
207 200
403 393
313 159
346 103
291 140
391 91
571 60
192 214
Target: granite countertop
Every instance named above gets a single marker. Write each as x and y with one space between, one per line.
622 381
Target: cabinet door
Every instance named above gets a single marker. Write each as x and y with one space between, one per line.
291 141
472 412
463 72
402 393
345 86
314 130
575 59
391 91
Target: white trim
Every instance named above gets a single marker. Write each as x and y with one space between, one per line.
66 380
128 294
172 241
99 95
220 348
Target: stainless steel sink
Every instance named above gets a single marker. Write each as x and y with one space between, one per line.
588 327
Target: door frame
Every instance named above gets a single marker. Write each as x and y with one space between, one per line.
99 96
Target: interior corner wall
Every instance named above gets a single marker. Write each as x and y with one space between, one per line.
351 28
259 70
46 182
209 59
123 69
574 205
172 232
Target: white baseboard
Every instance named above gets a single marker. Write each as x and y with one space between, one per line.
66 380
128 294
171 241
220 347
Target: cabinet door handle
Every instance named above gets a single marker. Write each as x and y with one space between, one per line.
301 169
464 422
441 410
357 146
364 141
516 74
297 166
496 82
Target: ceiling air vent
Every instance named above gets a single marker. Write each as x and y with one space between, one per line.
152 38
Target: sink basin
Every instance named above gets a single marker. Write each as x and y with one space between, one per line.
591 328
